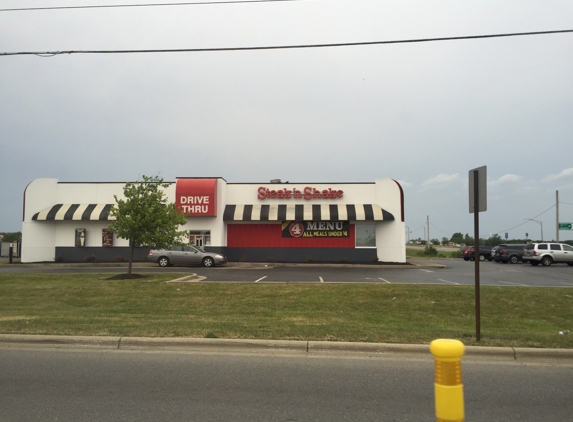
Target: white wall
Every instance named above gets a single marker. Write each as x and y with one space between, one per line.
38 240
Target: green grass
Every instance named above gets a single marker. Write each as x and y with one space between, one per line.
5 260
87 304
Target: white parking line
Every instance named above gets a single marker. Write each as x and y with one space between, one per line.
385 281
321 279
428 271
262 278
567 284
446 281
511 284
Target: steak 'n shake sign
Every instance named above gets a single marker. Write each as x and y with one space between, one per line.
196 197
307 193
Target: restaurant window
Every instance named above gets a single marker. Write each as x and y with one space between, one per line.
365 235
200 238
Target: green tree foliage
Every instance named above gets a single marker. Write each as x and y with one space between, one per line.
494 240
468 240
457 238
10 237
145 218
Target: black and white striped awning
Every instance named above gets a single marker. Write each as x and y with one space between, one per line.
75 212
306 212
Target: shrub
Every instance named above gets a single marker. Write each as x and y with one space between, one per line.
429 250
90 258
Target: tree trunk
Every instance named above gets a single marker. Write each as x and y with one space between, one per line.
132 246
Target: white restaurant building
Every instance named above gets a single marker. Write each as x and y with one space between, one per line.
250 222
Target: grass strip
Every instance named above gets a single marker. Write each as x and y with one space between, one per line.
91 304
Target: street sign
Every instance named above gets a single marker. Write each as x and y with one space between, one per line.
480 174
565 226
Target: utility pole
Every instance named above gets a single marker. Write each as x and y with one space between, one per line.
557 215
428 238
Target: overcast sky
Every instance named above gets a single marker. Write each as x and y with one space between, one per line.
421 113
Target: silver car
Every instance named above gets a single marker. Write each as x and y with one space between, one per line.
548 253
185 255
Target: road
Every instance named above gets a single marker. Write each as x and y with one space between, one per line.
457 272
79 385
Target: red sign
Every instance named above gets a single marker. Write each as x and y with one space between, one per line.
307 193
196 197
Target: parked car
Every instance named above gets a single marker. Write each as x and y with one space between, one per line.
511 252
484 253
468 253
185 255
548 253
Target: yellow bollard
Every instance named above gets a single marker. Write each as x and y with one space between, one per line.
449 390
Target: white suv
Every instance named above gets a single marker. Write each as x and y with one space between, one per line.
548 253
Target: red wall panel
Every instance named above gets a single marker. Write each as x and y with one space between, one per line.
270 236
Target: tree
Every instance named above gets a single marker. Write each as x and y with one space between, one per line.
457 238
494 240
10 236
145 218
468 240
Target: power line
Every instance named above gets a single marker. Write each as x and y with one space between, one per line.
525 222
281 47
142 5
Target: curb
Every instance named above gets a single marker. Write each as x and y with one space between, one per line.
300 347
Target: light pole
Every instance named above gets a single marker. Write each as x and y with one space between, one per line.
540 223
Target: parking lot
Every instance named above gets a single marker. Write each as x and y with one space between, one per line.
454 272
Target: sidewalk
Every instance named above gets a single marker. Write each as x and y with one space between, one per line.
281 347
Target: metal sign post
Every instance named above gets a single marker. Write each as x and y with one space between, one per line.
478 202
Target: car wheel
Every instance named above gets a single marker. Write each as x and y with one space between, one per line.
163 261
208 261
482 258
534 263
546 261
490 259
514 259
466 259
570 264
